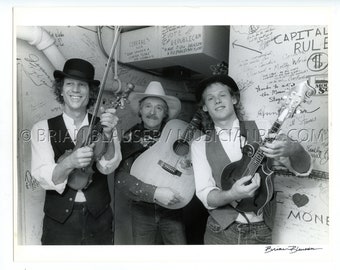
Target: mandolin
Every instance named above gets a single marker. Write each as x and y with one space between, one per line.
254 161
167 163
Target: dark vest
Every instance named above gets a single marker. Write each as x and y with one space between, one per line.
218 160
59 206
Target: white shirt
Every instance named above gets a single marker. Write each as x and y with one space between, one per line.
43 163
232 143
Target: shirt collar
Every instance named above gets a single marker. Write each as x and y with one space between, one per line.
69 121
235 127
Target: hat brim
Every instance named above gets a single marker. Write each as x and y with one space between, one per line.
59 74
224 79
174 104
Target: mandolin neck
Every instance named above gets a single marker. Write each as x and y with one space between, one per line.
258 157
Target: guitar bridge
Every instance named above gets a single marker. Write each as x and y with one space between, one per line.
169 168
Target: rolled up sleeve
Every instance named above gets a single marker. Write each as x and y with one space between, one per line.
286 162
42 162
204 180
264 127
109 166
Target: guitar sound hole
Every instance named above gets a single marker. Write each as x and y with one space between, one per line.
181 147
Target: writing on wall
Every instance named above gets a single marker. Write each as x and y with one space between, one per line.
313 39
267 62
36 101
302 210
160 42
180 40
139 45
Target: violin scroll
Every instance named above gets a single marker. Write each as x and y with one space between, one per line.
121 97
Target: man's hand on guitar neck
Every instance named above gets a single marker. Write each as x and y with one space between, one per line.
166 196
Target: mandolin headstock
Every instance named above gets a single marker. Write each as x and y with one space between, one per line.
296 95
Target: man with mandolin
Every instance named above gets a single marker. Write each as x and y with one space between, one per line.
71 158
153 220
232 167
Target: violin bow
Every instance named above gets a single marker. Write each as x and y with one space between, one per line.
101 89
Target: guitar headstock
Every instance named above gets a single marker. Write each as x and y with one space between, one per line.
197 119
296 95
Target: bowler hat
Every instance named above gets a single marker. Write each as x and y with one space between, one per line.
78 69
224 79
155 89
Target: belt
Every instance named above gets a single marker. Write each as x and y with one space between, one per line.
251 224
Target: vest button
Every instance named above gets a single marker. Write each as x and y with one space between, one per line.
67 210
70 199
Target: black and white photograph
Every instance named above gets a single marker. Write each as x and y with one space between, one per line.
172 141
166 86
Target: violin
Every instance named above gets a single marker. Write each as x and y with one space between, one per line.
81 178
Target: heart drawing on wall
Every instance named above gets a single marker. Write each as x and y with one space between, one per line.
300 199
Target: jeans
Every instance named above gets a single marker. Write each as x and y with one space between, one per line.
257 233
153 224
80 228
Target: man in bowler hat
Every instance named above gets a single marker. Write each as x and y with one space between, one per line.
75 216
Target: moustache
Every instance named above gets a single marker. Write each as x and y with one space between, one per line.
152 116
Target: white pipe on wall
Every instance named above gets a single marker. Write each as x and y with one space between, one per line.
39 37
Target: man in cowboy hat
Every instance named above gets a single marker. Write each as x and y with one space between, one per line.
74 216
150 221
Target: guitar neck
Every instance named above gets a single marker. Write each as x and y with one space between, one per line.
189 132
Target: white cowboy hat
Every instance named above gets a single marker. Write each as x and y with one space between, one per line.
155 89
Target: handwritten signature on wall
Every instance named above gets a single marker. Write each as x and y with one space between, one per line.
38 74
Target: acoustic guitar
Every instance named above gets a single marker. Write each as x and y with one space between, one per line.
167 163
254 161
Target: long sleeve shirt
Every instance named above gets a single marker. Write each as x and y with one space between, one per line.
232 144
43 163
135 142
